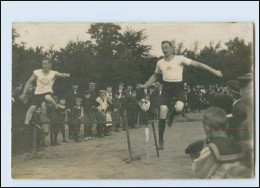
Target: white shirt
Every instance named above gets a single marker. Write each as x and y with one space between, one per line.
145 105
172 70
102 104
44 82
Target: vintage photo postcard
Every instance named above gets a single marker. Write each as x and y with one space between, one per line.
133 101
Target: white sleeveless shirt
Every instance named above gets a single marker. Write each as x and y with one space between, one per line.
44 82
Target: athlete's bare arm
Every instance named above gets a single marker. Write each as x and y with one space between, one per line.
151 80
63 75
206 67
27 85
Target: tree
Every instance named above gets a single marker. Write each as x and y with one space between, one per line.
107 38
131 45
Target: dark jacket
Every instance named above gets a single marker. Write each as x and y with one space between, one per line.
71 96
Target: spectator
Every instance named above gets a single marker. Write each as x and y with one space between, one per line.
222 156
88 106
71 96
117 109
77 117
132 110
101 112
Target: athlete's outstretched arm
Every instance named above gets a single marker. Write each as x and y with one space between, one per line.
27 85
63 75
206 67
151 80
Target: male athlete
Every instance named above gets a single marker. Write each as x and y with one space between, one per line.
171 69
45 79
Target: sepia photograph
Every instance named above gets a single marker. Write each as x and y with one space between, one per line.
124 100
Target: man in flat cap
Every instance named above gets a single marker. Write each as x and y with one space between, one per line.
248 125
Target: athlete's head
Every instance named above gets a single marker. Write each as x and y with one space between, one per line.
167 48
46 64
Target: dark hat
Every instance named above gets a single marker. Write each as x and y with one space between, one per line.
224 102
87 92
194 147
91 83
74 82
233 85
62 98
239 111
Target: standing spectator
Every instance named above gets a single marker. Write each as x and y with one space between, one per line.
93 91
129 91
109 91
88 105
120 89
109 110
71 96
101 112
132 110
77 116
123 111
117 109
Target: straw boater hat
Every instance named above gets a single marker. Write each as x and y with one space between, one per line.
102 91
92 83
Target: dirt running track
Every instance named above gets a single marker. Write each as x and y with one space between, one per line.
103 158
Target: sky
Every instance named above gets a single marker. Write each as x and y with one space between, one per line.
58 34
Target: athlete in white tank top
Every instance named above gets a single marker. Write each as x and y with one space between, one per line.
45 79
44 82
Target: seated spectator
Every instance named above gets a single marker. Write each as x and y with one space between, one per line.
222 156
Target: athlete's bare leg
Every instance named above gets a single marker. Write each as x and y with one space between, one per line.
29 114
49 99
177 109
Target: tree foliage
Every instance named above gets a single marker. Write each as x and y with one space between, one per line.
113 55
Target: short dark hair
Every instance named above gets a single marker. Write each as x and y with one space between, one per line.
166 42
215 118
46 59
